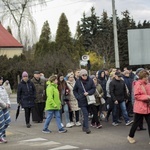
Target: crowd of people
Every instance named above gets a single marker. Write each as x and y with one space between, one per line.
122 94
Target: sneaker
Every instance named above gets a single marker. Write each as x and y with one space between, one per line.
78 123
46 131
68 125
115 124
129 122
72 124
93 125
99 126
2 140
28 125
131 140
62 130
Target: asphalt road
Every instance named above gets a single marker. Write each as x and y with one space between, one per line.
107 138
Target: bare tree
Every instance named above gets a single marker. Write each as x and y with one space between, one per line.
19 17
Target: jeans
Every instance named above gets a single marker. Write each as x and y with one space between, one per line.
123 110
5 118
50 114
66 112
85 116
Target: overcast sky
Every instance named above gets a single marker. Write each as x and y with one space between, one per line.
139 10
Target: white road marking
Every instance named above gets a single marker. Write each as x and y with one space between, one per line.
33 140
65 147
50 143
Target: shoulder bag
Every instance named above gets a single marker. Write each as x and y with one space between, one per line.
90 98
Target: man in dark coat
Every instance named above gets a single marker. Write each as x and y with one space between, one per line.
37 111
84 86
26 96
119 95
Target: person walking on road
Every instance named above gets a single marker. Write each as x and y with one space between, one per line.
3 105
119 96
26 96
38 110
141 105
53 106
5 112
80 95
73 103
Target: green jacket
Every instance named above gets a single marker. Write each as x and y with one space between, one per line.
52 102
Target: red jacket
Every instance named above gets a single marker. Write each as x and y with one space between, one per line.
141 94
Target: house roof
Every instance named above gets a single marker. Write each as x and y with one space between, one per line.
7 40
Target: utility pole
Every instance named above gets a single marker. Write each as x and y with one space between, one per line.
117 64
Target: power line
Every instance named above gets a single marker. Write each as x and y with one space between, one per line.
43 3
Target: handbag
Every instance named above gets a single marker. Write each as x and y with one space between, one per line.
101 99
90 98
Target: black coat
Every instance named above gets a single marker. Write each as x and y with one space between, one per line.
79 91
26 94
118 90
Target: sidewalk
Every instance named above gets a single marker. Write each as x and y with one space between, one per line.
13 98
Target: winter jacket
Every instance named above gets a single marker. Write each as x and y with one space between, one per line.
102 81
118 90
79 91
53 101
98 94
8 88
39 86
2 104
3 95
141 94
73 103
26 94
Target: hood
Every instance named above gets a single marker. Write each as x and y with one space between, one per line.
99 75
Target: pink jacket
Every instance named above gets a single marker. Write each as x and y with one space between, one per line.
141 94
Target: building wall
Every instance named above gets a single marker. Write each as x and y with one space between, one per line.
11 52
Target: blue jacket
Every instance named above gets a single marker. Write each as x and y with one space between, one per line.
78 90
26 94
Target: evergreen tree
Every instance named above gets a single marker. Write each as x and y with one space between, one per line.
105 40
89 28
43 46
63 35
124 24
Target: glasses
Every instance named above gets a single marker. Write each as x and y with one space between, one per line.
84 75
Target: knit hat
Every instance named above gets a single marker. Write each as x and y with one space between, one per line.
24 74
138 70
36 72
83 71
